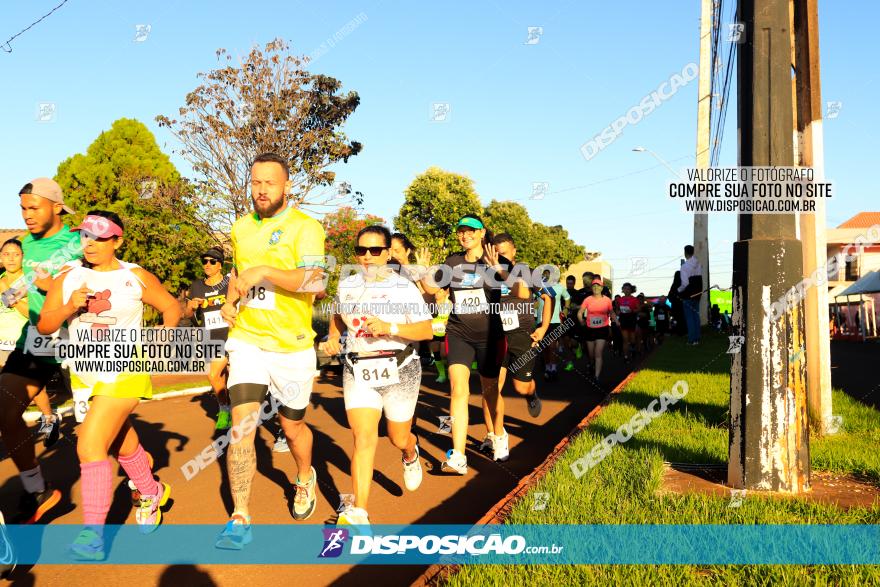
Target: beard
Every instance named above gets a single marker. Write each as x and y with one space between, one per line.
270 209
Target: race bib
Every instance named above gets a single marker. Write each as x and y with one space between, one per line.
376 371
470 300
7 345
597 321
438 327
509 320
625 309
40 345
661 316
261 296
81 403
215 321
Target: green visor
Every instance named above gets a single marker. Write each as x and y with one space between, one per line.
471 222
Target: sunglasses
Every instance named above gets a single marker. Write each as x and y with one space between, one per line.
210 262
374 251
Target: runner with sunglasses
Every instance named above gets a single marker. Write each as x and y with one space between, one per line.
385 315
106 293
474 277
206 297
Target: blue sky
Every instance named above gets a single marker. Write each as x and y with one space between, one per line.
519 112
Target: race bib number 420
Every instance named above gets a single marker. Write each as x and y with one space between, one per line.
470 300
261 296
376 372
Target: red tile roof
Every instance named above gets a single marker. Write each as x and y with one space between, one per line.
8 233
862 220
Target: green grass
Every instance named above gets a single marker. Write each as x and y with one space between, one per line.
623 488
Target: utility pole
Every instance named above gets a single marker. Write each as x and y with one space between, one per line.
808 94
769 442
704 103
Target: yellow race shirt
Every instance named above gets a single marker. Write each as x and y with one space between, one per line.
270 317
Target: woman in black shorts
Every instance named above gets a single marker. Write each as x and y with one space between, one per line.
596 314
474 329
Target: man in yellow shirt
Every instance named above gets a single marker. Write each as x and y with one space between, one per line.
279 266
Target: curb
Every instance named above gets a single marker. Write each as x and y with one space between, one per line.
31 417
499 512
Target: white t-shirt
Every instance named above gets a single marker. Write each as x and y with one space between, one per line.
393 299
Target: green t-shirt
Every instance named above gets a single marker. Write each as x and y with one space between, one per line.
50 254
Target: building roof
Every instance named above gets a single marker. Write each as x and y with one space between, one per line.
862 220
8 233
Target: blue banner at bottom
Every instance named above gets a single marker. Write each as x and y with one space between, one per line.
461 544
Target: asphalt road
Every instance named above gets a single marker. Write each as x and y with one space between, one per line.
175 430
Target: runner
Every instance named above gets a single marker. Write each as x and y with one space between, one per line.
106 293
661 318
206 297
12 320
616 334
552 352
644 335
401 253
440 312
575 334
628 307
382 372
518 323
279 259
474 330
595 314
48 245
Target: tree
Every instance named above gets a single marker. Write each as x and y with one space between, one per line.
119 172
342 227
432 206
536 243
270 102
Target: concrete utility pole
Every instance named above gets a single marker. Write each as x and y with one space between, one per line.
704 102
808 95
769 442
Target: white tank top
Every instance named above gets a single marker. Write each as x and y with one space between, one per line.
116 302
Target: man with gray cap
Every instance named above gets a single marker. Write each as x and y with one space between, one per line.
48 245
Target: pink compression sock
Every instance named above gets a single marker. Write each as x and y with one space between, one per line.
137 467
97 491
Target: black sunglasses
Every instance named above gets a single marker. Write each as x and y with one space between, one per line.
210 262
375 251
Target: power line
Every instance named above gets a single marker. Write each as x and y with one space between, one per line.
21 32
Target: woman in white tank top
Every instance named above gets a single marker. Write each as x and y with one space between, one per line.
108 294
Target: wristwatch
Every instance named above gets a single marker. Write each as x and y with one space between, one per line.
394 330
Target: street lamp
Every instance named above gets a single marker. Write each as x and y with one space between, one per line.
658 158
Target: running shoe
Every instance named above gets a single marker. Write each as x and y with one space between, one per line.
474 366
441 378
412 472
88 546
305 499
579 352
33 506
224 420
50 430
534 403
281 443
501 452
353 516
8 558
455 463
569 366
236 534
149 512
486 445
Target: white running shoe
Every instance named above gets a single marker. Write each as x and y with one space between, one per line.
281 443
501 452
455 463
487 444
353 516
412 472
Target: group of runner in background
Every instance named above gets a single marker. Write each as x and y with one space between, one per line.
481 310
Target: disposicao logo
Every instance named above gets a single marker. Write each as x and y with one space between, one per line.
334 541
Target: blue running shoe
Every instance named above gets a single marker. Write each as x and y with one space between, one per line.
236 534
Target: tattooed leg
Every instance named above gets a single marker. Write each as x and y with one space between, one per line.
241 463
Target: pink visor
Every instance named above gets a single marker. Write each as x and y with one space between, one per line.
99 227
